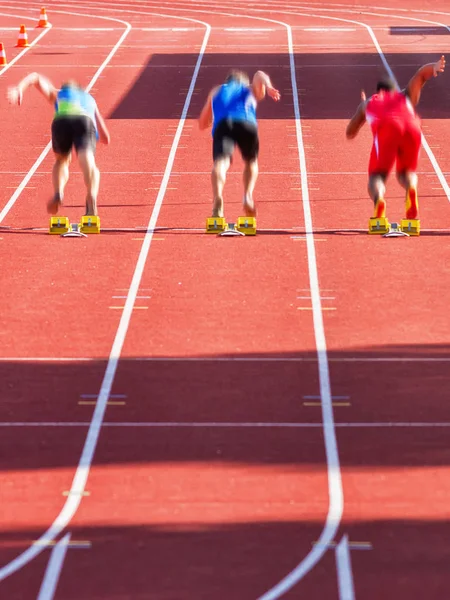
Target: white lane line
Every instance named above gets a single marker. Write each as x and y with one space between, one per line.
53 571
91 84
249 29
71 505
344 570
333 397
225 425
25 50
237 359
82 472
320 29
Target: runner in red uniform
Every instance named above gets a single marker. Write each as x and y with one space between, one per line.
397 136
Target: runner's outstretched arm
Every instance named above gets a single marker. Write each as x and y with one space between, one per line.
416 83
206 116
358 119
261 84
102 129
41 83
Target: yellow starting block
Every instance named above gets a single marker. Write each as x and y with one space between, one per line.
59 225
215 224
246 225
379 225
90 224
410 226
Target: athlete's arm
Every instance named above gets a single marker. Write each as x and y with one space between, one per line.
357 121
103 132
41 83
261 84
416 83
206 116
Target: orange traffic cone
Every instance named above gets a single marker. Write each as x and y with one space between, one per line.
3 60
43 21
22 42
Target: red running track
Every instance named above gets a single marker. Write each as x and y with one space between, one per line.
211 460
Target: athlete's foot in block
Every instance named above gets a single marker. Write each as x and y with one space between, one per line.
249 207
217 209
54 204
412 204
380 208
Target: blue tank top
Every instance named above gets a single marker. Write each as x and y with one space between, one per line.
235 101
74 101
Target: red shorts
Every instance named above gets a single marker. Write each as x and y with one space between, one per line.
394 142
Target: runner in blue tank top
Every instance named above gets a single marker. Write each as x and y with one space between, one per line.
77 123
231 110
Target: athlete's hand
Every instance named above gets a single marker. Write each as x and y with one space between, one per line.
363 95
439 66
15 95
273 93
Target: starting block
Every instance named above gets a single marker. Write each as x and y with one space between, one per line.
90 224
63 227
215 224
246 225
379 225
410 226
59 225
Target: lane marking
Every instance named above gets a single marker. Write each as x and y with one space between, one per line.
109 403
82 471
71 505
219 359
72 544
249 29
351 545
69 493
321 29
323 308
318 404
96 395
225 425
332 397
133 308
54 568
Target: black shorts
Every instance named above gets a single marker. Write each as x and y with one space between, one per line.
73 131
229 132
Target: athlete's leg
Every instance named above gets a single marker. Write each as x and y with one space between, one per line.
382 160
246 136
218 178
250 178
223 148
91 175
377 190
407 161
60 177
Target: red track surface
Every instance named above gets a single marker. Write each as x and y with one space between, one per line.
210 477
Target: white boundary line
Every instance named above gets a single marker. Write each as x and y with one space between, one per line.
82 472
53 571
237 359
225 425
344 570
